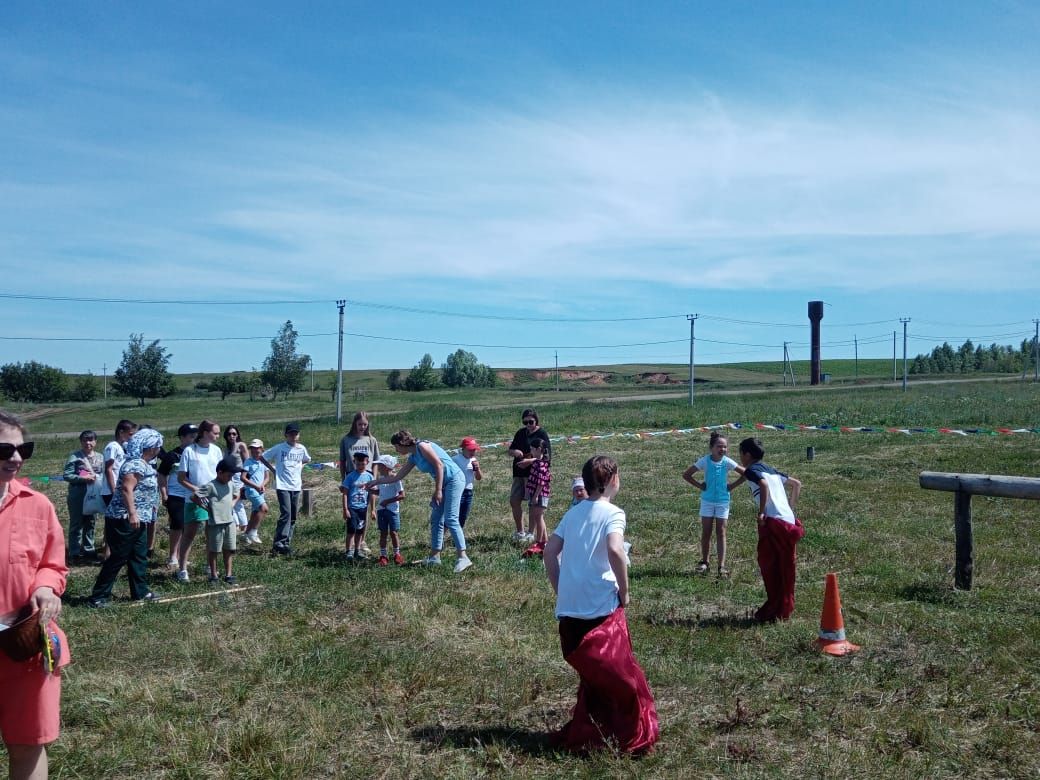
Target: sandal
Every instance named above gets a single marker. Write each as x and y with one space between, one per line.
702 567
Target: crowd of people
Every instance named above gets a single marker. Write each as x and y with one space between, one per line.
201 485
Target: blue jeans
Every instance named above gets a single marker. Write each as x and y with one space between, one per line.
288 506
447 515
464 505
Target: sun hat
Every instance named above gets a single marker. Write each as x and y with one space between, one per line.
387 460
578 482
257 443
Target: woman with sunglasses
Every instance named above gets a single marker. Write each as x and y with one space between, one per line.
520 450
32 578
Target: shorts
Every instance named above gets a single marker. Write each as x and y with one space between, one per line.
239 513
716 509
221 538
542 501
388 520
356 521
519 488
30 708
193 513
175 512
256 499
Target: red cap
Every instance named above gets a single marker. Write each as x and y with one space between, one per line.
469 443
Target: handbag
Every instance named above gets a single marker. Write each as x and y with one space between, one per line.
93 504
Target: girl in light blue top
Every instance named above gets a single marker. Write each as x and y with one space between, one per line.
448 484
715 488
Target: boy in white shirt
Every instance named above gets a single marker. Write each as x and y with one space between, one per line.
287 460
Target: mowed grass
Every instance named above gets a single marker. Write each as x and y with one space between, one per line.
330 670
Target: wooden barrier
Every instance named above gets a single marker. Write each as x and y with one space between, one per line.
964 486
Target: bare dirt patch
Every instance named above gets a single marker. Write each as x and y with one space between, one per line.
658 378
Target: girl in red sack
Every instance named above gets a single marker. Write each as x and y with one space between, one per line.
32 579
587 565
778 530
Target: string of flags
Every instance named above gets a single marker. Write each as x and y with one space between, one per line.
732 426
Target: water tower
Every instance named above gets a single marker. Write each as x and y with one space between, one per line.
815 315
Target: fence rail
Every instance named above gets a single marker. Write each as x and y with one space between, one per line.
964 486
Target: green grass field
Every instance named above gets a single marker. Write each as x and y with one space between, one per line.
330 670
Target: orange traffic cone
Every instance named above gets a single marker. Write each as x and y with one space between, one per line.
832 627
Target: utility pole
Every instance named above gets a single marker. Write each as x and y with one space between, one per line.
893 356
339 371
1036 351
855 341
904 320
104 371
312 372
557 354
693 319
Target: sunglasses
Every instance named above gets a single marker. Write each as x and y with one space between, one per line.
25 449
530 422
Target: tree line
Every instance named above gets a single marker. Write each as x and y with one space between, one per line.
969 359
461 369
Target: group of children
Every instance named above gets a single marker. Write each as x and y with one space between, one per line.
778 528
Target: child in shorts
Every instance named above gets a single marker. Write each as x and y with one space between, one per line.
716 466
218 498
388 510
539 479
466 459
254 482
355 505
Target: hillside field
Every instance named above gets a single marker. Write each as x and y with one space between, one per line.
336 670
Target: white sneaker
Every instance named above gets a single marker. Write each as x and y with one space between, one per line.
518 537
252 537
462 564
433 560
182 576
528 538
173 563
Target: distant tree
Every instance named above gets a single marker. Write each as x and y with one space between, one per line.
84 388
284 371
224 385
423 376
393 380
463 370
33 382
144 372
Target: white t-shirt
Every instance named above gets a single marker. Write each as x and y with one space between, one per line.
288 465
113 451
777 504
588 588
389 491
466 464
200 463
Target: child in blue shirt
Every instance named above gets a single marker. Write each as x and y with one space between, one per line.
716 466
355 505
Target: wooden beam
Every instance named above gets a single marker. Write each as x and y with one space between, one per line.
982 484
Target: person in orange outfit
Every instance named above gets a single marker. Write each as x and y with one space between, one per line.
32 548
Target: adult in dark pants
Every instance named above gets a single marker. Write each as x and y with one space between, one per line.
134 506
82 468
520 449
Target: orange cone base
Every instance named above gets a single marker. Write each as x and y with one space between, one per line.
836 647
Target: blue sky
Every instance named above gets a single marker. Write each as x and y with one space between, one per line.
496 176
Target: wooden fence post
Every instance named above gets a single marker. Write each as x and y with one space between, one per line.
306 505
965 543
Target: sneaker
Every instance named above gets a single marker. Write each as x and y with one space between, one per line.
528 539
173 563
230 580
384 561
98 603
518 537
151 597
182 576
462 564
360 555
364 548
213 579
398 559
252 537
723 573
702 567
349 555
433 560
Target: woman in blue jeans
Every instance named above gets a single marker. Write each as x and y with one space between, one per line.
448 484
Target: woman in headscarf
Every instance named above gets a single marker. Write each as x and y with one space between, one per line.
32 579
135 504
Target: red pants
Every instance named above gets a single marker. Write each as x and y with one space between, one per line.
777 541
615 705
